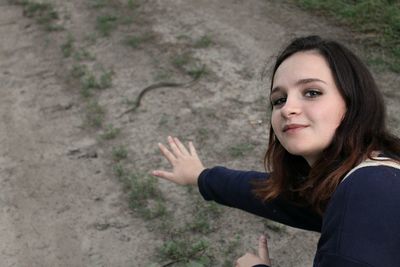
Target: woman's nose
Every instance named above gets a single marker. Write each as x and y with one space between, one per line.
291 107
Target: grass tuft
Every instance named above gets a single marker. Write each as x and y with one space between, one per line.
203 42
181 60
185 250
136 41
133 4
119 171
105 24
98 3
68 47
205 214
197 71
110 133
89 82
43 13
119 153
78 71
145 197
95 114
188 64
105 79
83 54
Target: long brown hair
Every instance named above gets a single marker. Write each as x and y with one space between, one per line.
361 132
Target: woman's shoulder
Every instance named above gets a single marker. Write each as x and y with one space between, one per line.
372 179
363 214
373 170
369 189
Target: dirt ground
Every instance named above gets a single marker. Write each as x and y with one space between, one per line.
61 204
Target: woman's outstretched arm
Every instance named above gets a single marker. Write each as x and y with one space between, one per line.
231 187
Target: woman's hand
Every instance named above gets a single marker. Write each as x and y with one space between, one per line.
186 165
250 260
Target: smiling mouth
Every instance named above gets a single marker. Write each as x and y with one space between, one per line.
293 127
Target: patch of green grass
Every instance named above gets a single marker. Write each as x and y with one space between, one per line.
233 244
187 63
205 214
89 82
230 249
43 13
185 251
94 114
91 38
133 4
126 20
145 196
119 153
98 3
119 171
105 24
110 133
197 71
378 62
78 71
203 42
181 60
53 27
105 79
155 208
377 21
133 41
68 47
83 54
136 41
240 150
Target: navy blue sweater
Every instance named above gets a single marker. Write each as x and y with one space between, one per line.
360 227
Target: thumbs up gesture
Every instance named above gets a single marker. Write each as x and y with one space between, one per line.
251 260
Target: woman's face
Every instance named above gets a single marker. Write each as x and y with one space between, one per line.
307 105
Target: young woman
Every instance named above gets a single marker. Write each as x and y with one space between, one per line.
332 166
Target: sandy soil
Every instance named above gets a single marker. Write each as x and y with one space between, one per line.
61 204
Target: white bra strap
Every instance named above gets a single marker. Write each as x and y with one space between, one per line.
378 162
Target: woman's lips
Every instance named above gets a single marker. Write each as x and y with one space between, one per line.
293 127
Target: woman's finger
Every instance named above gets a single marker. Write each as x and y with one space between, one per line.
174 147
181 147
166 175
263 249
192 150
167 154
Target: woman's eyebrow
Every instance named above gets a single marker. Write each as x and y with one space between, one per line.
275 89
299 82
309 80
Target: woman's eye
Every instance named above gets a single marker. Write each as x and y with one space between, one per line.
278 101
313 93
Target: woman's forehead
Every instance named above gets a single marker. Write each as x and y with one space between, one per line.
302 66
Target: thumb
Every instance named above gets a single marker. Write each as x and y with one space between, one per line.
263 249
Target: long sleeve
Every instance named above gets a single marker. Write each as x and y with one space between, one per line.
234 189
361 225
